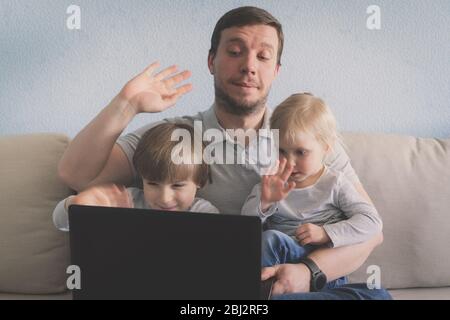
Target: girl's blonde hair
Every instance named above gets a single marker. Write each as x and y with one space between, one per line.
306 113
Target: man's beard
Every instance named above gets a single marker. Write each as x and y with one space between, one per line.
231 106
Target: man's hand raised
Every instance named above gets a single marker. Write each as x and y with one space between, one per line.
150 92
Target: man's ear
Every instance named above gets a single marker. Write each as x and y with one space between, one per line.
211 63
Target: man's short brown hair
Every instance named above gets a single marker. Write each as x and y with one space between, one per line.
246 16
153 157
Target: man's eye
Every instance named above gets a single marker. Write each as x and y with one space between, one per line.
264 57
178 185
233 53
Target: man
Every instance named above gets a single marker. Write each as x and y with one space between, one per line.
244 59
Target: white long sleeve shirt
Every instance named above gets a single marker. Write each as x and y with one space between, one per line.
332 202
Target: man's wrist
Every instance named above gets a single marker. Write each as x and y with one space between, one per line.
124 108
306 276
318 279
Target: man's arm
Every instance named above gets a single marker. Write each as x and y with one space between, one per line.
334 262
92 156
341 261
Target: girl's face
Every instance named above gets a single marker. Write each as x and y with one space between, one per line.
173 196
306 155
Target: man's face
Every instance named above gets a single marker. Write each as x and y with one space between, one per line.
244 67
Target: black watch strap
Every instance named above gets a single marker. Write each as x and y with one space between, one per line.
312 266
318 278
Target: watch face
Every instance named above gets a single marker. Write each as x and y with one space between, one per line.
320 281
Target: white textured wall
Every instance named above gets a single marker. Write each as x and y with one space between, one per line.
391 80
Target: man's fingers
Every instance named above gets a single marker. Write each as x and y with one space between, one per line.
151 68
170 82
170 100
183 89
278 288
268 272
165 73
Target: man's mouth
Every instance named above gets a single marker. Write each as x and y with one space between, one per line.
248 85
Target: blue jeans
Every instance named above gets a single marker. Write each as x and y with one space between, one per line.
279 248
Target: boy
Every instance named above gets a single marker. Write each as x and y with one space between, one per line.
166 185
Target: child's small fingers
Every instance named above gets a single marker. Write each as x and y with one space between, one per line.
288 187
281 166
305 241
286 172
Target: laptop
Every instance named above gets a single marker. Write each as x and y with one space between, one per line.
126 253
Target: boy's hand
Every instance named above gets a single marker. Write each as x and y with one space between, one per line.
275 187
107 195
309 233
148 92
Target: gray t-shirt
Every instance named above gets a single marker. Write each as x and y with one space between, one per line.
231 183
332 202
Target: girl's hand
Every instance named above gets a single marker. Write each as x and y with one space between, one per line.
275 187
309 233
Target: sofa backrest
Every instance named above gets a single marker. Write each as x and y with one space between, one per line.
408 180
33 254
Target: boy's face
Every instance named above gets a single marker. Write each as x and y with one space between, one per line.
306 155
173 196
245 65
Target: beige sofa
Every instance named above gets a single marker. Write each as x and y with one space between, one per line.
408 179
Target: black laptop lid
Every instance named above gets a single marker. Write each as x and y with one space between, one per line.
149 254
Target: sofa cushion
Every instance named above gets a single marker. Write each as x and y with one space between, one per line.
34 254
421 294
408 179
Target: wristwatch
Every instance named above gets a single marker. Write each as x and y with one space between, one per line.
318 278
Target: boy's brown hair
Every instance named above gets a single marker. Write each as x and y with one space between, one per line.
153 156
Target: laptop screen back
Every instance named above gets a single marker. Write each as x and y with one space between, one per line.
149 254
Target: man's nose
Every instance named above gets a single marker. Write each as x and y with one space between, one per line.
249 64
